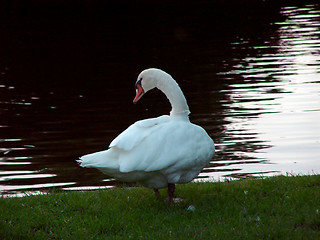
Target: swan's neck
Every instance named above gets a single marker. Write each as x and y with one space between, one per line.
173 92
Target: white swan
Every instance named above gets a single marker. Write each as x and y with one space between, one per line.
157 152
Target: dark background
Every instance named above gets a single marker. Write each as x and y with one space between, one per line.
87 44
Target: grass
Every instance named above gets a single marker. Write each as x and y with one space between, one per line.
271 208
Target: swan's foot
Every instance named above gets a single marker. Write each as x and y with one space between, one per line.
156 192
170 196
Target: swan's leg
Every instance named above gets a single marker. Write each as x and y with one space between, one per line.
171 188
156 192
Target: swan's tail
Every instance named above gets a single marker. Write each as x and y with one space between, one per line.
103 159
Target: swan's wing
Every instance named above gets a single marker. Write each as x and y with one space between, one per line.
137 132
177 145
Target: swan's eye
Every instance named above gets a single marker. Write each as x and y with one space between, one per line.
139 82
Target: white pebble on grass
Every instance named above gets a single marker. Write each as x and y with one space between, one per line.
191 208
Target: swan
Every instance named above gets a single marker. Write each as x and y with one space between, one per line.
156 152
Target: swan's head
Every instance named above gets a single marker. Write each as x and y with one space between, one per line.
147 80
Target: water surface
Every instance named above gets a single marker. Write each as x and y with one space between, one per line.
66 89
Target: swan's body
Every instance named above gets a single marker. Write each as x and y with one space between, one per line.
157 152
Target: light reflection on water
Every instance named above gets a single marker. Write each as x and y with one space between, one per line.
264 119
282 89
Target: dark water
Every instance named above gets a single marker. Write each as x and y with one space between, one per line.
250 73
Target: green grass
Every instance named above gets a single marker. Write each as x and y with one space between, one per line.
272 208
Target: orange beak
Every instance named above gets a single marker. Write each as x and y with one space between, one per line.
139 93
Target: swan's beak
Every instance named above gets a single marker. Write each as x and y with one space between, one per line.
139 93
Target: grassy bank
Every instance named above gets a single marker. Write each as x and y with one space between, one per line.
272 208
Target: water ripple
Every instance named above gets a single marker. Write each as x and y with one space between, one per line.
258 98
